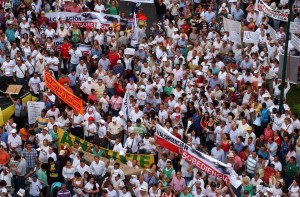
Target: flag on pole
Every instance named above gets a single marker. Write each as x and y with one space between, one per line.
125 105
135 33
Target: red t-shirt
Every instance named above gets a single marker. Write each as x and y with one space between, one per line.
268 172
64 49
113 58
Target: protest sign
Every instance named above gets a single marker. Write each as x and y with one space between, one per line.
129 51
291 68
231 25
235 37
34 110
295 41
295 27
85 49
84 19
200 160
62 93
143 160
281 15
251 37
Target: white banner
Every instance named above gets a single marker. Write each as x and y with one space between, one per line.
281 15
129 51
235 37
272 33
84 19
135 35
231 25
86 49
200 160
295 41
295 27
251 37
125 105
34 110
140 1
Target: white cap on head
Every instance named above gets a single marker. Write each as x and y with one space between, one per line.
89 79
114 119
119 62
13 131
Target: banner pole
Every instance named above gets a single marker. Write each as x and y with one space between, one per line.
287 33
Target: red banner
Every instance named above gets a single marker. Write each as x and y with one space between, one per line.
200 160
62 93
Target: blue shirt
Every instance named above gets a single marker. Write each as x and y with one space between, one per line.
182 43
209 16
237 14
238 147
264 155
96 52
4 137
72 79
10 34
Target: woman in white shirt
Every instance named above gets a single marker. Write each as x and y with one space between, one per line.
294 189
91 188
68 174
63 121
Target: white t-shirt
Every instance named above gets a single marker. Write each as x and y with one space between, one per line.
34 187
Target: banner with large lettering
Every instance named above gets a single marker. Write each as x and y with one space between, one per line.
200 160
295 27
140 1
85 19
251 37
34 110
143 160
62 93
281 15
125 105
231 25
235 37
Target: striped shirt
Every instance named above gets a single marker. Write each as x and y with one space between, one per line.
42 122
251 164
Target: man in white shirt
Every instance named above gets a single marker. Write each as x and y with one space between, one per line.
76 54
117 145
135 114
98 169
34 83
14 141
53 62
20 72
44 135
86 88
83 167
99 7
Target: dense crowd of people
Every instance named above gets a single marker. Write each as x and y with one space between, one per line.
186 74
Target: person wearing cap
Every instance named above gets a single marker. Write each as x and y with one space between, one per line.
35 184
119 69
14 141
90 129
44 135
114 129
10 33
86 88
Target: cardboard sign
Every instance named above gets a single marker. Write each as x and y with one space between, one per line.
34 110
13 89
251 37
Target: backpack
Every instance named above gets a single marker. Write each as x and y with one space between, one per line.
264 116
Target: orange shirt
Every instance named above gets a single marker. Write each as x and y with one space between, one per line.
4 157
64 80
24 134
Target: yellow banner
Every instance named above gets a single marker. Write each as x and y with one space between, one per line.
143 160
1 117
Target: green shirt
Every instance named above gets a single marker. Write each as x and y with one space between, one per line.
42 176
97 154
54 137
113 10
168 173
141 129
168 90
250 189
291 170
188 195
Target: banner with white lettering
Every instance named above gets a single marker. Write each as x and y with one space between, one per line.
84 19
140 1
231 25
281 15
200 160
251 37
34 110
235 37
295 27
125 105
272 33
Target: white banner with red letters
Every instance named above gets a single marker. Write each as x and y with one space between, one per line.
85 49
200 160
84 19
281 15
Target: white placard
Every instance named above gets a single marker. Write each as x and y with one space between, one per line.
251 37
129 51
231 25
295 27
272 33
235 37
295 41
34 110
